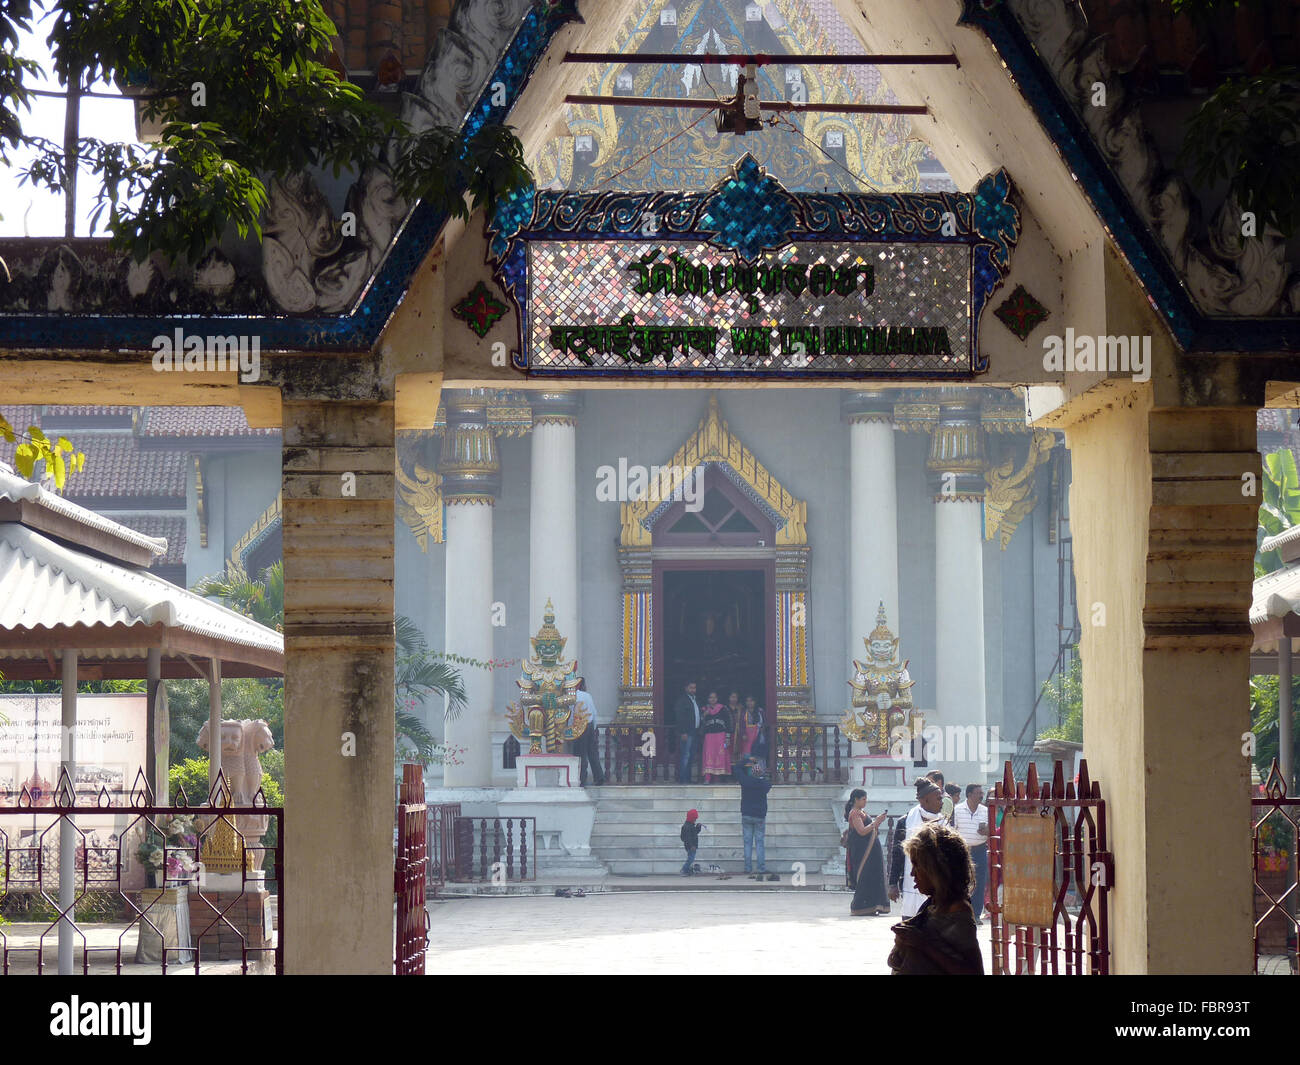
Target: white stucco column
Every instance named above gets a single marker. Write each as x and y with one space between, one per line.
873 516
956 469
471 482
553 515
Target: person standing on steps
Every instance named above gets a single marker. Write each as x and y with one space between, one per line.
690 836
754 787
686 722
587 746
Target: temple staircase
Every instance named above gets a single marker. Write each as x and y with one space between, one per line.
636 828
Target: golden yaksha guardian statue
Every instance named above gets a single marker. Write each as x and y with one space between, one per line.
546 709
882 692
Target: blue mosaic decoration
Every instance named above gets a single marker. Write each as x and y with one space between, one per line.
359 328
1195 330
749 212
842 214
751 216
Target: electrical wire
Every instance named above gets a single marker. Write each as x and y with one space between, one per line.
778 119
656 148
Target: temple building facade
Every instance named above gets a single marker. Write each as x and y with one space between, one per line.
744 540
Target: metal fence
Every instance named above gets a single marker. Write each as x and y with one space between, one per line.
124 885
1275 830
441 847
1077 941
494 849
648 754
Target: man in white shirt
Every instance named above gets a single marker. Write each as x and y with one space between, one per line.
587 746
971 820
929 804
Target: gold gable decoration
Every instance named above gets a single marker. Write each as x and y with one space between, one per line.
879 148
419 503
713 441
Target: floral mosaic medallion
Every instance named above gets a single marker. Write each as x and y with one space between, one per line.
480 310
1020 312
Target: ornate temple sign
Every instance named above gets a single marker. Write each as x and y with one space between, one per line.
750 280
1028 869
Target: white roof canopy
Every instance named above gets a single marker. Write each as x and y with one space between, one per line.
70 578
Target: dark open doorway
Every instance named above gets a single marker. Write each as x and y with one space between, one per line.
715 631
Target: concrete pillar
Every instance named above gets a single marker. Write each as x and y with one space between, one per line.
338 461
1285 741
873 516
471 481
956 467
158 740
553 515
1164 543
68 836
214 728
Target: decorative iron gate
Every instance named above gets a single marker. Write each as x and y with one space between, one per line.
1275 829
1077 941
412 935
75 871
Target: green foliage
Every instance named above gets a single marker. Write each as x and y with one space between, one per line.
85 687
261 599
1264 721
1248 133
60 457
241 698
1064 693
243 96
1280 509
420 674
192 775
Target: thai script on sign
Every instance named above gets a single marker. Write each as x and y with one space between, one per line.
631 342
683 277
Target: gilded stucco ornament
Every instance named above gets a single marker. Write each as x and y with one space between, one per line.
1010 496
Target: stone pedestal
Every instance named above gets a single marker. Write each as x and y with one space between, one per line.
247 914
565 817
547 770
166 923
878 771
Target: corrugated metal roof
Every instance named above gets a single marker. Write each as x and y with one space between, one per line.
1286 536
17 489
44 584
1275 594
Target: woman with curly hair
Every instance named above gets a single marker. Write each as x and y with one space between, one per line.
940 940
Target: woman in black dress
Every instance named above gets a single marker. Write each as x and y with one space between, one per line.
866 864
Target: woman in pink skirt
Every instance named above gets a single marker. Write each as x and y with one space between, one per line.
716 726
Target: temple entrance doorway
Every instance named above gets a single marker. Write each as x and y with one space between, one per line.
714 580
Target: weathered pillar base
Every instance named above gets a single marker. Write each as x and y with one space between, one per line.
337 909
1164 541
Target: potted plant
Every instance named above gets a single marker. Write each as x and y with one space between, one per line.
170 853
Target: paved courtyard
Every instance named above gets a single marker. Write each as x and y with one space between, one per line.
798 932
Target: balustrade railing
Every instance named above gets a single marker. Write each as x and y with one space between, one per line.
648 754
494 849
